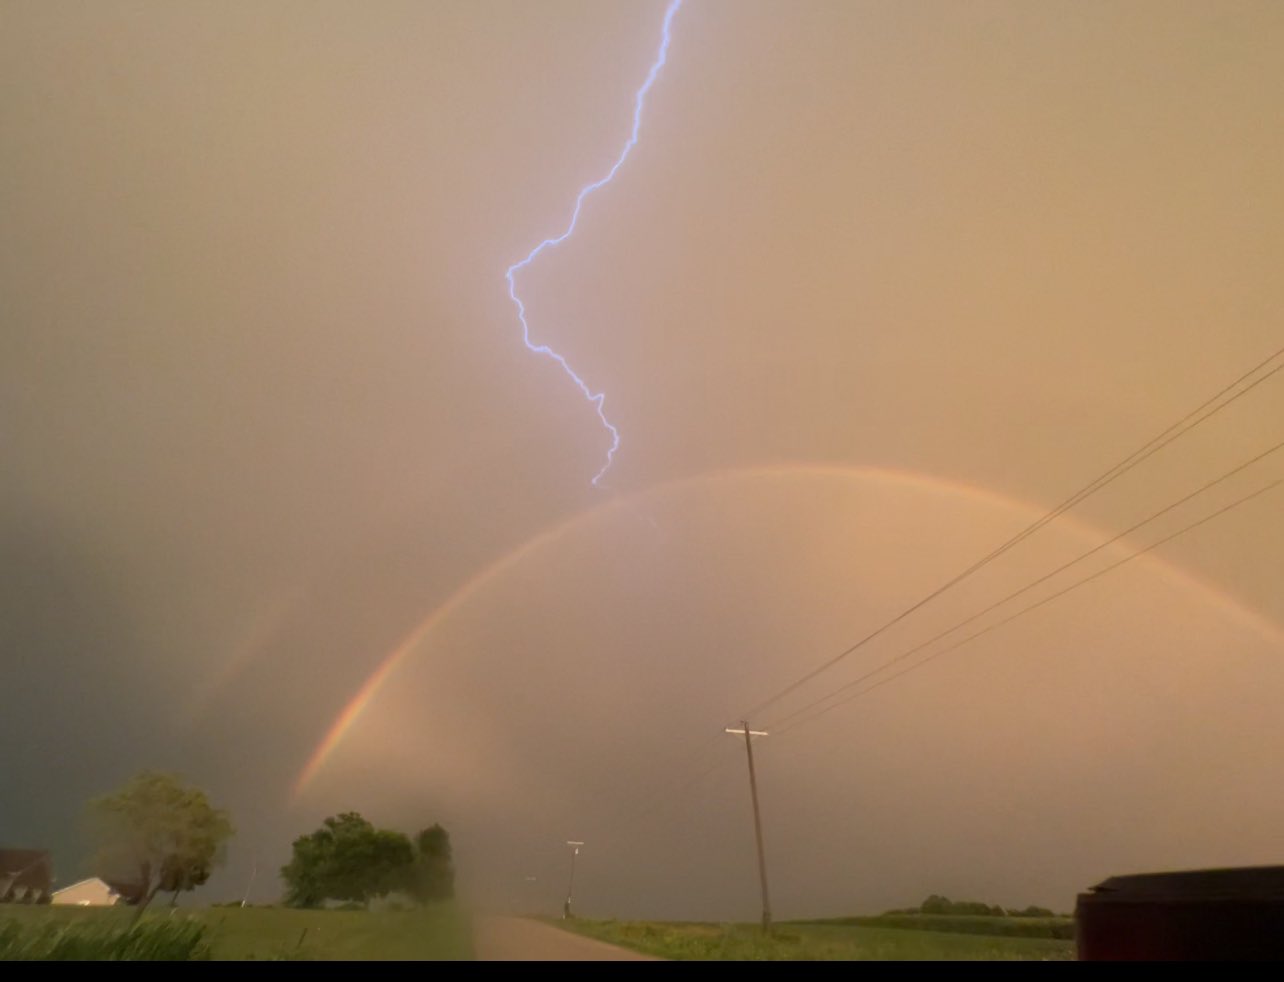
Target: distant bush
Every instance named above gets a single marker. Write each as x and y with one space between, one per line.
943 905
936 904
167 940
1004 927
1032 911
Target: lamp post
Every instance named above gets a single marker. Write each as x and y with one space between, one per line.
570 887
254 871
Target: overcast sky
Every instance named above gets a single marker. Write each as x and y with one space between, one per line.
880 284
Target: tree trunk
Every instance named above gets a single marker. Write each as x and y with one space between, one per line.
146 891
147 899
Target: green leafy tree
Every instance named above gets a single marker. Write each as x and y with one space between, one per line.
157 834
346 859
1032 911
935 904
432 877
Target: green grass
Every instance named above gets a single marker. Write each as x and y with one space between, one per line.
440 933
180 941
1006 927
815 942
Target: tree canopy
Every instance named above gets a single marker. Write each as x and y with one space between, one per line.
432 877
936 904
348 859
157 834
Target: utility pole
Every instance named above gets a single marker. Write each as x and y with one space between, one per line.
570 887
757 819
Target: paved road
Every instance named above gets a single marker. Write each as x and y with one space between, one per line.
515 939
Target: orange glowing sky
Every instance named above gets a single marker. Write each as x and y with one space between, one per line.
288 506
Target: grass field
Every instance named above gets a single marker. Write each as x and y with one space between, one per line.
816 942
1006 927
261 933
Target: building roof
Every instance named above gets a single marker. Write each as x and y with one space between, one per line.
92 891
81 883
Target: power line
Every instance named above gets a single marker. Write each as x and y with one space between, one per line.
657 802
1210 407
648 805
1154 445
1029 586
627 803
1034 606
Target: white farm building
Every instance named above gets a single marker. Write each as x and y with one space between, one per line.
92 892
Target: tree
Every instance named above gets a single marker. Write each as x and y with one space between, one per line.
157 834
346 859
935 904
1032 911
432 876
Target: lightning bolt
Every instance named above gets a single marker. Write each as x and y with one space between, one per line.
594 398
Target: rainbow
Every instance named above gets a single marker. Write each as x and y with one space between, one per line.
365 695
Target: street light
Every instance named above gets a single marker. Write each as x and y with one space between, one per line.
254 871
570 887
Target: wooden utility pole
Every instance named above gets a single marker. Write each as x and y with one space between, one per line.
757 819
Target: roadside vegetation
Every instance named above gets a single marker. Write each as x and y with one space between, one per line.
938 929
435 932
1059 928
98 940
815 942
938 913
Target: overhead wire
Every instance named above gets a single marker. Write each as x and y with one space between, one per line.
1034 606
1175 431
1239 468
636 810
